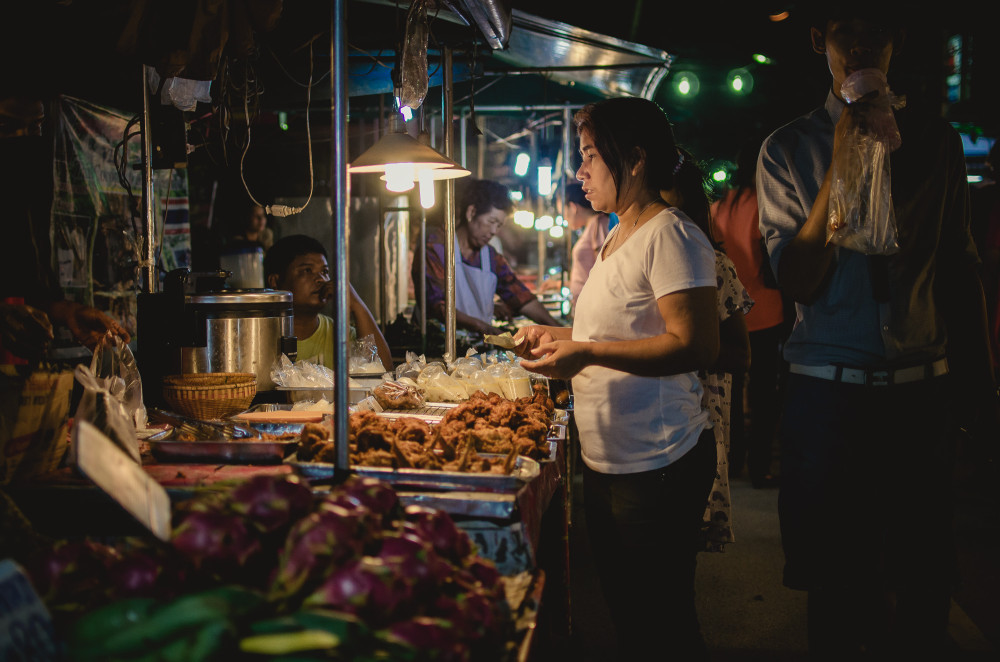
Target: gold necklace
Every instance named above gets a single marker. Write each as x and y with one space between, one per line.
634 223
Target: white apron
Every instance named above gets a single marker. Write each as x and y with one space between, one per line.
475 287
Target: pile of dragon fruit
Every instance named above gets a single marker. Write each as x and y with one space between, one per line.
407 573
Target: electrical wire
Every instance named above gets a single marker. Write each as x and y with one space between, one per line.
284 210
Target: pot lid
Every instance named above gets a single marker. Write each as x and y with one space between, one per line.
229 297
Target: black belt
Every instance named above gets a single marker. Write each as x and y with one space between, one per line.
872 376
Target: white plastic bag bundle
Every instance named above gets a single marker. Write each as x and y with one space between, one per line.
113 366
301 374
106 413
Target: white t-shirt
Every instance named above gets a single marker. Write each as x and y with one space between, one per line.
629 423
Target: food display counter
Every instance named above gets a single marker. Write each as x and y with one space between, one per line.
505 516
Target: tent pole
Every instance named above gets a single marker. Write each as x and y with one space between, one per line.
339 203
148 194
449 214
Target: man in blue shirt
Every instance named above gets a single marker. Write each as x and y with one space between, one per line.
888 357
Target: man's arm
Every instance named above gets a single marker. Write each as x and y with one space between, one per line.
806 259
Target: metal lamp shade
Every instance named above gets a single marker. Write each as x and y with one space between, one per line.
399 148
438 174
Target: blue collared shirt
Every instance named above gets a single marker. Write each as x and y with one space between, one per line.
846 324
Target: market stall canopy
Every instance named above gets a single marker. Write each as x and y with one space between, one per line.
596 65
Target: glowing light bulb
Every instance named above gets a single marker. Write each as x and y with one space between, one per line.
524 218
543 223
399 177
521 165
426 177
556 231
544 180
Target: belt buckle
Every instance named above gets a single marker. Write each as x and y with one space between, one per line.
879 378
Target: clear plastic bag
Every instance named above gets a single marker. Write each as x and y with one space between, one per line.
861 216
114 367
364 357
301 374
105 412
414 78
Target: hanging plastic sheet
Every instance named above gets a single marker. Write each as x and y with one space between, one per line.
96 224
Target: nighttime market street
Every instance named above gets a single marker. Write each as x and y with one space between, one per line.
745 612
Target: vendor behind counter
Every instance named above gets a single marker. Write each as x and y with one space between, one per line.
481 272
298 264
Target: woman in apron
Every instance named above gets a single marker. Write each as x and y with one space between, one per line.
481 271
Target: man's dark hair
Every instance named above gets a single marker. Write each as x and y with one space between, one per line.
286 249
876 11
483 195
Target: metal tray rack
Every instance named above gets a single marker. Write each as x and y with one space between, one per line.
524 472
245 450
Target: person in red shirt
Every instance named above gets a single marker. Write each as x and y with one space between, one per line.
737 222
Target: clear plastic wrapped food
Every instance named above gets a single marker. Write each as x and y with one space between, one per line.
394 395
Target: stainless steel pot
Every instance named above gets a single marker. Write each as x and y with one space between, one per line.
244 331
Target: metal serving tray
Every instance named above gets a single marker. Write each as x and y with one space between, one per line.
223 451
525 470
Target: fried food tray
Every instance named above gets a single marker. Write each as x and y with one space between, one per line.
224 451
525 470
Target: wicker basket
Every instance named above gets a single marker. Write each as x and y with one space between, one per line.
210 395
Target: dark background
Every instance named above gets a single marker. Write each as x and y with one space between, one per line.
71 47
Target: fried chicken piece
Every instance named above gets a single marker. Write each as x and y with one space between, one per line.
465 457
358 420
326 452
412 429
311 437
534 430
373 458
529 448
503 413
492 440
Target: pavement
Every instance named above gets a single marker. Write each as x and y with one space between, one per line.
745 612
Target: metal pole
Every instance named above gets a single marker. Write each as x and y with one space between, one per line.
463 135
148 262
423 281
339 203
568 176
449 215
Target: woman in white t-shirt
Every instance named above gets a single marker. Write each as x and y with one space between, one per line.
645 324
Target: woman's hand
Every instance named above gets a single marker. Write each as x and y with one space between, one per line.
560 359
528 338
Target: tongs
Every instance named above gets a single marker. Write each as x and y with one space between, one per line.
205 430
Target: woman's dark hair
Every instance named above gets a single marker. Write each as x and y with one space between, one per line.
744 178
692 186
483 195
286 249
625 130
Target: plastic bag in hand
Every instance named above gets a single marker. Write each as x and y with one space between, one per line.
105 412
113 365
861 215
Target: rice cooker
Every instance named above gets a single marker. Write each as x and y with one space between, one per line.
199 328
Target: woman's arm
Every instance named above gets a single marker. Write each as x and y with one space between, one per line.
690 343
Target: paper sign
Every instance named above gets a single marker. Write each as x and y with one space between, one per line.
116 473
